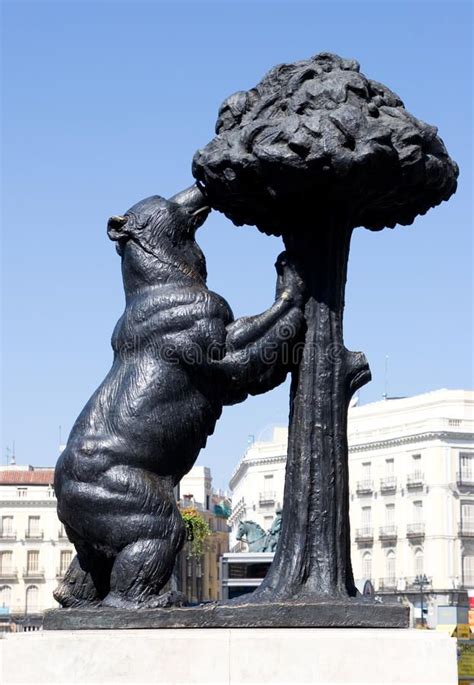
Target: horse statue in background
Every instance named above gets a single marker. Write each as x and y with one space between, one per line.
253 534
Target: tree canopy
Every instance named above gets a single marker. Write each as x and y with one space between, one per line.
318 134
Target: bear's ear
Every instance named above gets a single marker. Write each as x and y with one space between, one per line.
116 227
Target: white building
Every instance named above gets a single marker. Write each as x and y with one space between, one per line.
34 549
411 491
197 483
257 483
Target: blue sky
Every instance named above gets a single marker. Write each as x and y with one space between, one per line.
104 103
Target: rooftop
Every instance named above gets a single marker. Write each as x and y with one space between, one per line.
26 475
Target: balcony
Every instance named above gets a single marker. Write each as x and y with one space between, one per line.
465 479
7 535
387 584
33 573
415 530
62 534
34 534
8 573
466 530
364 535
388 533
388 484
365 487
412 584
415 480
267 497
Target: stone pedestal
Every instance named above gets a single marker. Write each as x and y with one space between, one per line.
229 656
348 612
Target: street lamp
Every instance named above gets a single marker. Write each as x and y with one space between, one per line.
422 581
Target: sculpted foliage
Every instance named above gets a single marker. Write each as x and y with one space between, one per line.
319 132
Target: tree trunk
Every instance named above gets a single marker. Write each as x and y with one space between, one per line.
313 554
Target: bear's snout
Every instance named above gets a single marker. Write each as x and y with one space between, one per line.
115 227
193 202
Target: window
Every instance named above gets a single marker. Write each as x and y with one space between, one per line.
366 468
390 514
391 565
389 467
5 596
367 566
6 559
7 526
416 463
366 517
466 466
468 571
418 562
268 483
32 561
31 603
467 516
33 526
418 511
64 561
22 492
208 501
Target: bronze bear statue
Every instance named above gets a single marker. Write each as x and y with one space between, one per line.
179 356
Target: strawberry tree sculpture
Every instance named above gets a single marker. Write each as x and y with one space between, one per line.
315 150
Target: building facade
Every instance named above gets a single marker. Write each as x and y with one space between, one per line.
199 577
34 549
257 484
411 464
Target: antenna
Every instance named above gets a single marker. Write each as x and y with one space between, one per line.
7 453
13 459
385 395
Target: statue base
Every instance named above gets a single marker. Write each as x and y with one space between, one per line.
326 613
220 657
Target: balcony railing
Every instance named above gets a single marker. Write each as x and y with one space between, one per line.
7 535
34 534
466 530
364 534
37 573
388 484
62 535
387 583
364 487
415 530
388 533
415 479
19 610
465 479
267 497
411 584
8 573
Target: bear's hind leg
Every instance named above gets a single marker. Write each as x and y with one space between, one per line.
76 588
86 581
139 572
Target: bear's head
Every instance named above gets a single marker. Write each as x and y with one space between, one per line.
156 237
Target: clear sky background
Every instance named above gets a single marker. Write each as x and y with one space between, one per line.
104 103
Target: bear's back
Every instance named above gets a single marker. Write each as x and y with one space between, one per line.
164 315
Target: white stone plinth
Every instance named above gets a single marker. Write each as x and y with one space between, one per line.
229 656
